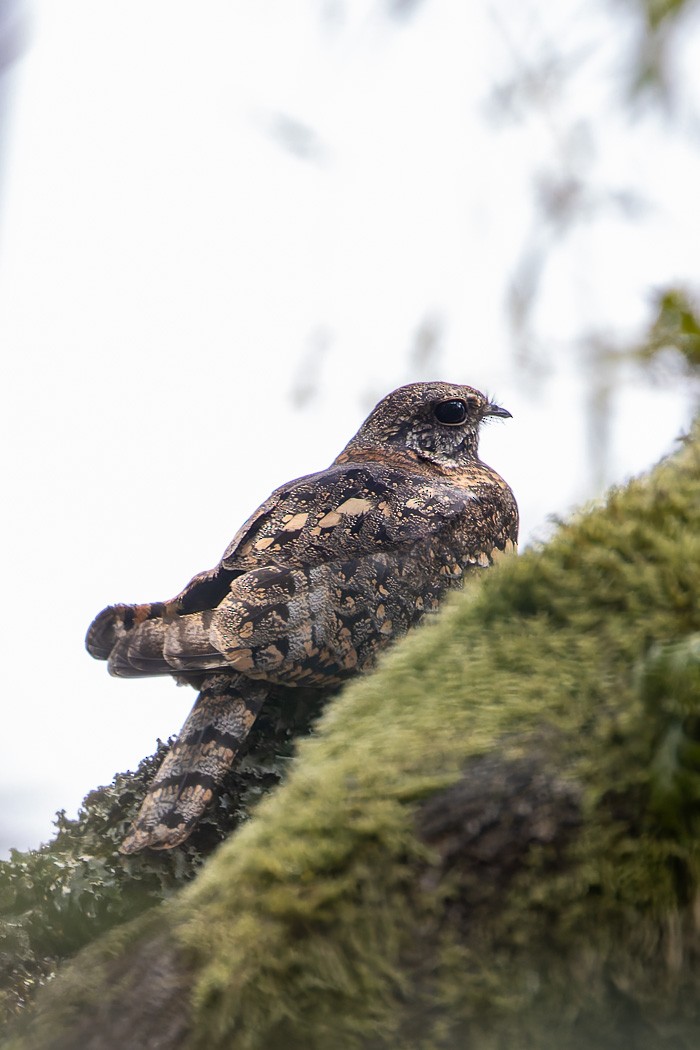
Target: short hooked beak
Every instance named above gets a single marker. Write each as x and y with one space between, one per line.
496 410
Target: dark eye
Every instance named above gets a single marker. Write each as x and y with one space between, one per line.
451 413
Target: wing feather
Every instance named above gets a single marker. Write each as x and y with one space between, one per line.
346 511
349 514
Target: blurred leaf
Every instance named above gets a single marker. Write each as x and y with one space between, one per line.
675 327
297 138
659 22
306 383
428 345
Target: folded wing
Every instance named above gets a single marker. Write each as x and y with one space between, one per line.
309 587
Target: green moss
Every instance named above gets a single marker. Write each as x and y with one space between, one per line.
303 927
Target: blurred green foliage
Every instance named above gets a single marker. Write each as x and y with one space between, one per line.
675 325
669 683
652 66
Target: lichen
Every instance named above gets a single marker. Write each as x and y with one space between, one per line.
62 896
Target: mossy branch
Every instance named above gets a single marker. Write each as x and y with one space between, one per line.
491 842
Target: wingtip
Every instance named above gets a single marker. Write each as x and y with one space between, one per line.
103 632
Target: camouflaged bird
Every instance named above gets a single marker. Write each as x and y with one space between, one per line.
331 569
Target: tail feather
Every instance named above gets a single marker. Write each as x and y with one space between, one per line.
139 653
139 641
116 621
209 741
187 645
104 631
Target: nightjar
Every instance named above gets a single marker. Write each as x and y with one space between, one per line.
328 572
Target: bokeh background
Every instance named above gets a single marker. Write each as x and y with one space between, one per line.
227 229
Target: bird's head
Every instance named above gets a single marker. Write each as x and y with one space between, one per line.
438 422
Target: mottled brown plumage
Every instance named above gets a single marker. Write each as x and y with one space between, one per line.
327 572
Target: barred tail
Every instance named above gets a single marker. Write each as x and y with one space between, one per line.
139 641
111 625
185 784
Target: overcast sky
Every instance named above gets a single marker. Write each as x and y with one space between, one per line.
218 237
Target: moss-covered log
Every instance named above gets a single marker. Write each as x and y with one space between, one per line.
490 843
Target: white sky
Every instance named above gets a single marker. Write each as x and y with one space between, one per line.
166 268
